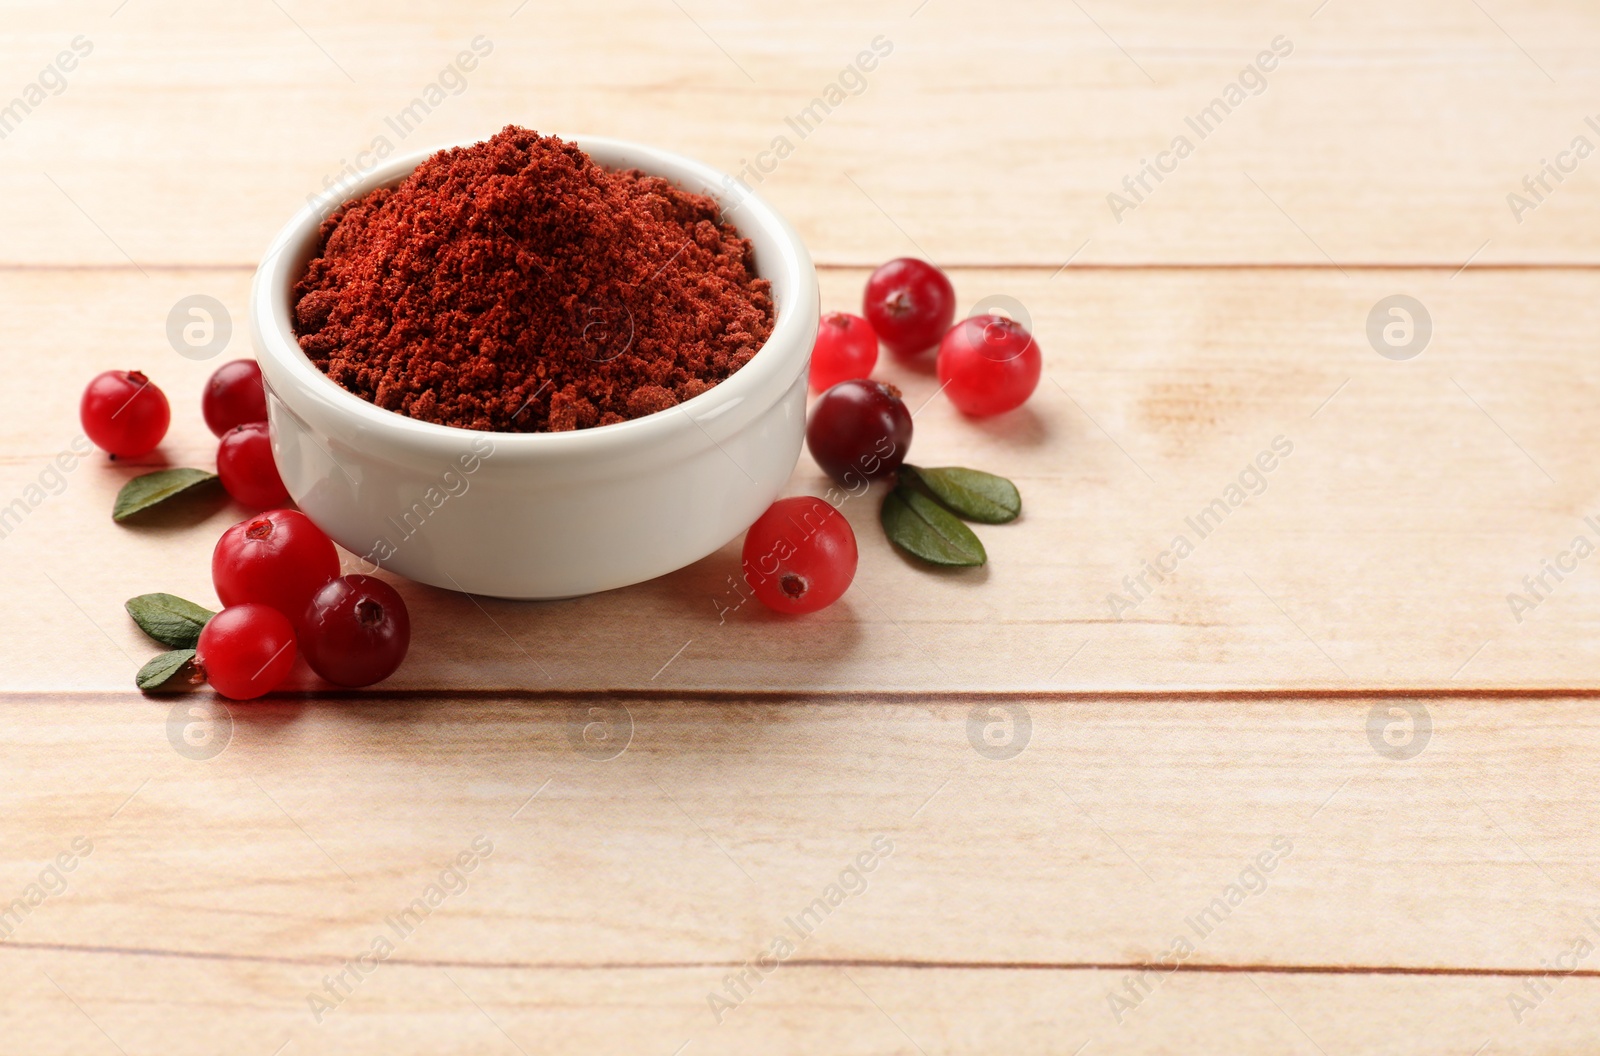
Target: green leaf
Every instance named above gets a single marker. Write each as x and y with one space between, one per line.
171 672
923 528
141 493
972 493
169 620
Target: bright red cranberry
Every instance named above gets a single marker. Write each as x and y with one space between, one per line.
278 558
859 430
910 303
234 396
847 347
244 462
124 413
989 364
246 650
800 555
355 631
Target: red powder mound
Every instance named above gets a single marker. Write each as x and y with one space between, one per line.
517 286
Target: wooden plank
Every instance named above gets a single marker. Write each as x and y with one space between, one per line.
1324 768
1382 553
1392 133
659 832
74 1003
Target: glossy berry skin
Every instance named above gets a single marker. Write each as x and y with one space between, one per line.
355 631
846 348
234 396
989 365
244 462
799 556
124 413
910 303
246 650
278 558
859 430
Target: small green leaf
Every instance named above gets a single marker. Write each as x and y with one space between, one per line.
146 491
171 672
923 528
972 493
169 620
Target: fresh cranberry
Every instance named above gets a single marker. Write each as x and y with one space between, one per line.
800 555
910 303
859 430
244 462
847 347
278 558
234 396
989 364
355 631
124 413
246 650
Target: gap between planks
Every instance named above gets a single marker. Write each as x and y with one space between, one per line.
23 698
815 962
1133 266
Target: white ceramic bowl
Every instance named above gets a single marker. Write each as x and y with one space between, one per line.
542 515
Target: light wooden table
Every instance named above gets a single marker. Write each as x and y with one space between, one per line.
1330 716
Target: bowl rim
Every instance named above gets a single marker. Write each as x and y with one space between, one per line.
770 370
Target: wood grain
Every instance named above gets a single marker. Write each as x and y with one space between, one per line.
1059 785
183 1007
636 883
1381 553
1053 833
1392 134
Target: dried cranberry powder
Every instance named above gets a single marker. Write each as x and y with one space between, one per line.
518 286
